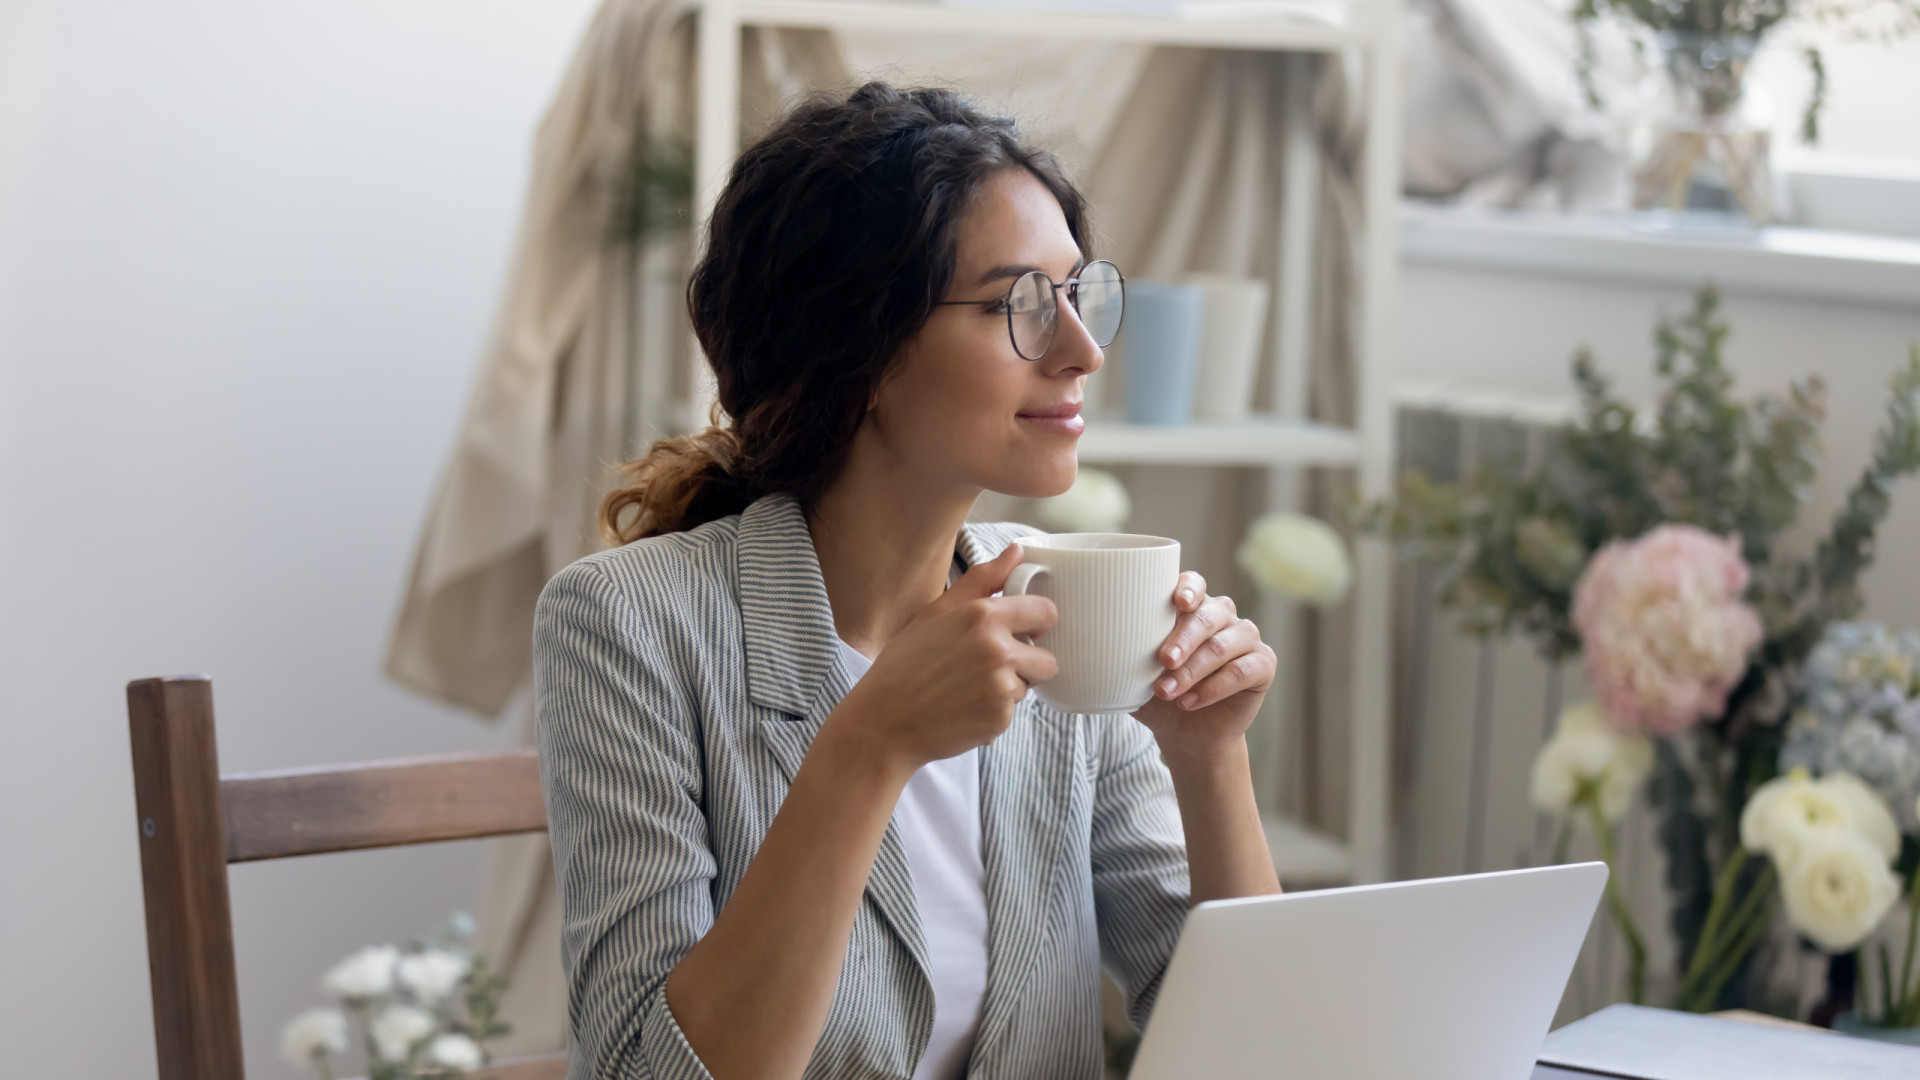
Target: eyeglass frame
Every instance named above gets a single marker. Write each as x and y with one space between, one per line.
1007 301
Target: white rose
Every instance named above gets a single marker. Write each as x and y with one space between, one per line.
455 1052
433 974
398 1029
1587 749
366 974
312 1033
1297 556
1784 812
1871 817
1838 888
1097 502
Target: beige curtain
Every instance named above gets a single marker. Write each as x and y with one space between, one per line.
1179 149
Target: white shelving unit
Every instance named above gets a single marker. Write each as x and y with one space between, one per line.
1263 441
1282 443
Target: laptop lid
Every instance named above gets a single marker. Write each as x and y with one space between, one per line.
1443 979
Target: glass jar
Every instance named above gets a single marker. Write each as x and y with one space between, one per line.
1708 158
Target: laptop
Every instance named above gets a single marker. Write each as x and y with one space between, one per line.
1445 979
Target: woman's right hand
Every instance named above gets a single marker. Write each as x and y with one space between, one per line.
949 680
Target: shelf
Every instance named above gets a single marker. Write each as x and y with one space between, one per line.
1260 441
1776 261
1292 33
1487 401
1305 856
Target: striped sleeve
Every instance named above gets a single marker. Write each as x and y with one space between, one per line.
620 767
1140 882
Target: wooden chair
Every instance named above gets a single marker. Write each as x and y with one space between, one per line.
194 822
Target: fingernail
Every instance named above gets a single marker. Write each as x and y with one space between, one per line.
1173 654
1166 685
1186 595
1192 698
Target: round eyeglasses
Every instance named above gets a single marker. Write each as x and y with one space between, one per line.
1098 294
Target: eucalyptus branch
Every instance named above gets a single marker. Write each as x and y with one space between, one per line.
1816 98
1585 61
1847 550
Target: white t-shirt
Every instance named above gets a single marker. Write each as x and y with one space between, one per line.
938 819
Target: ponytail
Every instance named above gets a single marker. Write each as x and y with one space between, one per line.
678 484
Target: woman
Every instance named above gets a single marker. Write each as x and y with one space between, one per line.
806 816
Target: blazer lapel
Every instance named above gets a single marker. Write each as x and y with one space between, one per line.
793 666
786 621
1026 792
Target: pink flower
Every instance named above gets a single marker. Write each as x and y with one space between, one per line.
1665 630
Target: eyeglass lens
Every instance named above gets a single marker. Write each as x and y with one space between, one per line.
1033 312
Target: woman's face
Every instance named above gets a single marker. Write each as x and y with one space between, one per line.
961 406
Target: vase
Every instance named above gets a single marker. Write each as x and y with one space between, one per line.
1708 159
1849 1023
1161 348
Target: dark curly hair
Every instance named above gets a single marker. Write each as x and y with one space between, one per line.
828 250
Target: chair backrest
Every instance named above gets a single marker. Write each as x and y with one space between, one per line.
193 822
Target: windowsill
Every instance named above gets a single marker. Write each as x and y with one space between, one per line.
1780 261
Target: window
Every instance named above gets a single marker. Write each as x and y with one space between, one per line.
1872 114
1864 174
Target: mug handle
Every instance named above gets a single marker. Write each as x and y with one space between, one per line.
1017 584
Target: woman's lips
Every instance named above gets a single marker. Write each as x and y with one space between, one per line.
1058 419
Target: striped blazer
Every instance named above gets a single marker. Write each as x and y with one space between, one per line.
679 681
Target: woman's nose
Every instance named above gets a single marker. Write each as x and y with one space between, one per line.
1073 347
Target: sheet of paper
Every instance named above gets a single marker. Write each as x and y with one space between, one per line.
1658 1044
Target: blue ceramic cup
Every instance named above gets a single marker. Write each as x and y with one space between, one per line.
1161 347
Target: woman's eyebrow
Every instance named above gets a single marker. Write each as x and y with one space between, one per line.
1014 270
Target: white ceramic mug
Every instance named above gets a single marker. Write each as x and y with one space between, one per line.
1229 346
1114 592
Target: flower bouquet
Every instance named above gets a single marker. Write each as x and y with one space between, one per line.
1651 545
423 1011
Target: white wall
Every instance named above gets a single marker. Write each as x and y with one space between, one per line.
248 251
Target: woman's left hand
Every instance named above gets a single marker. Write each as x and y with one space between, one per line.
1217 672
